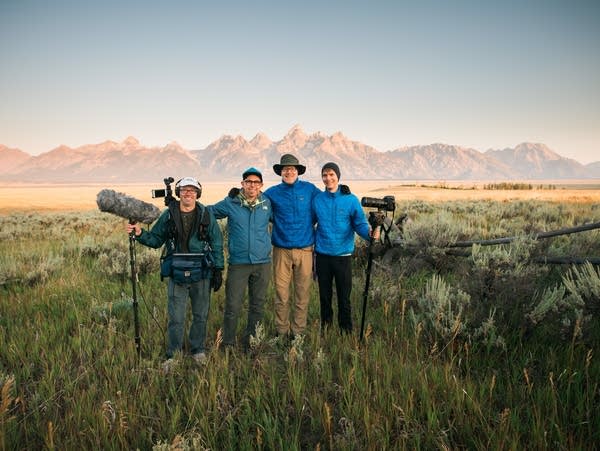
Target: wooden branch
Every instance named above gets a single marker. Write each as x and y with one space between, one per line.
550 260
567 260
543 260
595 225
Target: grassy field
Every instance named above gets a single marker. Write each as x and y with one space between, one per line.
487 350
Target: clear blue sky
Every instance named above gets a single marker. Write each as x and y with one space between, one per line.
480 74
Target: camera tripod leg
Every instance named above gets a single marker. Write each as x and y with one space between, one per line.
367 282
136 320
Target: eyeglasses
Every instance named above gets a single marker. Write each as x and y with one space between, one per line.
252 182
188 190
289 169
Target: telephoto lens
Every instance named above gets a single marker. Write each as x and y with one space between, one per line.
388 203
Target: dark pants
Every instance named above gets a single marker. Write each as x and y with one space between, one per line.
338 269
239 277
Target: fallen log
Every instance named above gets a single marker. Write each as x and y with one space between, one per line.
582 228
543 260
566 260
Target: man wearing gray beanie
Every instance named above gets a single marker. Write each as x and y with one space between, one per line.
334 167
339 216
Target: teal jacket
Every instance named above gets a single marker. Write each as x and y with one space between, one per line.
248 235
162 230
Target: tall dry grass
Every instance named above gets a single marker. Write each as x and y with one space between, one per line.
431 372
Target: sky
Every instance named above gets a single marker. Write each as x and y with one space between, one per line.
479 74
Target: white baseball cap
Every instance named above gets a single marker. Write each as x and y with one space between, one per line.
189 181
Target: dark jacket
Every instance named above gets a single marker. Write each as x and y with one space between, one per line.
161 231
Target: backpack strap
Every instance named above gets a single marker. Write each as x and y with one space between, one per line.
175 225
203 225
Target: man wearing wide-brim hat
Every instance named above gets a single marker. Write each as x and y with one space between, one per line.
293 238
289 160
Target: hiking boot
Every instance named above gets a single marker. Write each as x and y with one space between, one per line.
169 365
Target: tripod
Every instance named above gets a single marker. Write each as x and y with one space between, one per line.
367 282
376 219
136 319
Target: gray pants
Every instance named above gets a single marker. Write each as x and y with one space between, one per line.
256 278
178 294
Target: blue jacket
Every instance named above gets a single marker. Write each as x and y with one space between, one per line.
338 217
293 225
161 232
249 240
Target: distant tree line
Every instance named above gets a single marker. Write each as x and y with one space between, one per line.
516 186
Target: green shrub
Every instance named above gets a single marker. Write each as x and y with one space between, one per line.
573 305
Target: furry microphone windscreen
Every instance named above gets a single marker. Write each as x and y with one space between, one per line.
126 207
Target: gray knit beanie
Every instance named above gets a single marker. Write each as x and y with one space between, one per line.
334 167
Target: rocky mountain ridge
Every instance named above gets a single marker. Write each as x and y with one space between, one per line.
227 157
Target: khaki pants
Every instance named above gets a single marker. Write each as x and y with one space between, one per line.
292 265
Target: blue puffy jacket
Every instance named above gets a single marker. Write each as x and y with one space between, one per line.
293 223
249 240
338 217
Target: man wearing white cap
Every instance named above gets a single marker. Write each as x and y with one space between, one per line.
192 260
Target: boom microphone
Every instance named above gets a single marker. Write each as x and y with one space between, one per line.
127 207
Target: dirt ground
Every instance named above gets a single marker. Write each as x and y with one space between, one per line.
69 197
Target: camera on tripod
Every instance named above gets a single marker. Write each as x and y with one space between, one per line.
166 192
388 203
377 218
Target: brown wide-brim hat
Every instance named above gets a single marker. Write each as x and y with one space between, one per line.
289 160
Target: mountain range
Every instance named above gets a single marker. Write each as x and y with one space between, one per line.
227 157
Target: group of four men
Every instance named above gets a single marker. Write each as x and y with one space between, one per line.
304 219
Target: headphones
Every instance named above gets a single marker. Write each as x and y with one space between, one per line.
188 179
